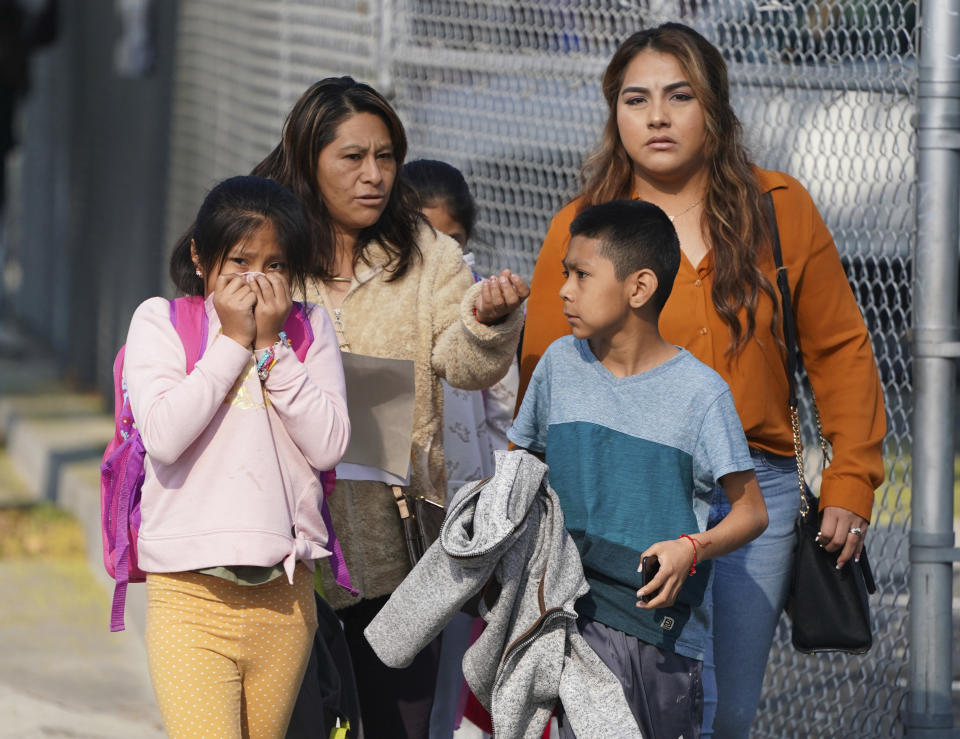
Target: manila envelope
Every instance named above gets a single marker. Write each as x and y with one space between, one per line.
380 398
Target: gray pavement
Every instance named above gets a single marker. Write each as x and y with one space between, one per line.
62 672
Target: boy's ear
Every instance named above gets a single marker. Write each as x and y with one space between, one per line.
643 284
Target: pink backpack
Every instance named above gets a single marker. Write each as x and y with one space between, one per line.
122 470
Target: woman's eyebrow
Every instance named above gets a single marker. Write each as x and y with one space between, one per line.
364 147
666 88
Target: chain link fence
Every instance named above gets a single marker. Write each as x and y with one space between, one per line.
508 91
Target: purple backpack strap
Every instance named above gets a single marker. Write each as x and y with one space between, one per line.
300 333
189 317
298 330
127 486
338 565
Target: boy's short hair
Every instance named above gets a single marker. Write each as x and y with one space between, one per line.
634 235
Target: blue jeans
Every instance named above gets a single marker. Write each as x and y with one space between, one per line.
446 700
749 589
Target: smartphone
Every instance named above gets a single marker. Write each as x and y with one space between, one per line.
649 567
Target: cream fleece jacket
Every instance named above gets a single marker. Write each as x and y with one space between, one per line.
231 464
426 316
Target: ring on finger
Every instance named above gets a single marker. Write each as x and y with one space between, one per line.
856 531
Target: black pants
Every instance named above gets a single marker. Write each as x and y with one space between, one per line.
662 688
394 704
328 691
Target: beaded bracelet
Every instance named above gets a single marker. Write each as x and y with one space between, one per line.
269 357
693 567
265 363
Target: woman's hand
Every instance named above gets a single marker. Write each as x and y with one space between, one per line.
844 530
273 306
676 559
234 302
499 296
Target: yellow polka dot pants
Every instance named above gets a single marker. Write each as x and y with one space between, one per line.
226 660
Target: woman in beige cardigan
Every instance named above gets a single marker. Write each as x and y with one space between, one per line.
395 288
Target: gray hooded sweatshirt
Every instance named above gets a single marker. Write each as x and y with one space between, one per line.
530 653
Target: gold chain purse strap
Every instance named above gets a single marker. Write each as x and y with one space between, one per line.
794 361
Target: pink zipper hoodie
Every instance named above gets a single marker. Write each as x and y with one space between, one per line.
231 466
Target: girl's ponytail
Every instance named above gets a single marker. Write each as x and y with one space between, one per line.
183 272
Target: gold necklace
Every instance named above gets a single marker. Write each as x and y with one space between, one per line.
340 279
337 315
688 208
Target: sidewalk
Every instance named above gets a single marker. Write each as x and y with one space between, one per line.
62 672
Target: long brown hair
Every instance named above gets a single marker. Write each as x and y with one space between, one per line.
736 228
311 125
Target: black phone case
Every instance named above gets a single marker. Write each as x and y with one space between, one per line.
649 567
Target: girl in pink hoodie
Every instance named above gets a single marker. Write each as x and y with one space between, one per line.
231 499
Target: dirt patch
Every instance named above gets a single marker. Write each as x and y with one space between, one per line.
39 530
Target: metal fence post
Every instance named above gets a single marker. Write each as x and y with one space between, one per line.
385 49
935 350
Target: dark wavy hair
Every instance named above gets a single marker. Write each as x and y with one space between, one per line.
735 226
231 213
439 183
311 125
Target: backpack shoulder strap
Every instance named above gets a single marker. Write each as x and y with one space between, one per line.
118 387
189 317
298 330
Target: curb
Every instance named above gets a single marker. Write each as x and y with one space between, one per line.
55 442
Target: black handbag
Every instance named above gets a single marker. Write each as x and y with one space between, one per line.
421 519
828 608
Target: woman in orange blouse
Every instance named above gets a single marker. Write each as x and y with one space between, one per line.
673 139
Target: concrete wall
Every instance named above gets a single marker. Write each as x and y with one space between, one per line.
92 171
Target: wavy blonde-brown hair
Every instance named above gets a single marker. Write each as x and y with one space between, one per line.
736 228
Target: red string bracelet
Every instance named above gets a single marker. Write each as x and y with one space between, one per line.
693 567
481 322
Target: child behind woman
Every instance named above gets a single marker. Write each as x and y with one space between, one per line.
231 500
475 423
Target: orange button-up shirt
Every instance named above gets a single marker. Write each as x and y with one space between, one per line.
833 339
